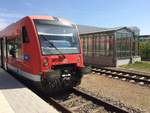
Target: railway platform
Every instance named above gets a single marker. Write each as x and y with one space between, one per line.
17 98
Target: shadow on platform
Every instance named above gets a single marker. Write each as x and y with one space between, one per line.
8 82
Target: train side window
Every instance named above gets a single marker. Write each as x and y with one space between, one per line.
11 48
14 48
25 35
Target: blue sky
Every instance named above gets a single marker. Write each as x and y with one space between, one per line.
102 13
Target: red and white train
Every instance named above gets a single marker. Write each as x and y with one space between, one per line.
43 49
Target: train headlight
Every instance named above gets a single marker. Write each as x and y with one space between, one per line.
45 62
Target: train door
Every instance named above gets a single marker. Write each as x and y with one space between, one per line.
15 59
3 52
12 54
18 43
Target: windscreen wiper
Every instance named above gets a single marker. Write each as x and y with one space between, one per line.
50 43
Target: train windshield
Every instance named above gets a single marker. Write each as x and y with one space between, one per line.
56 38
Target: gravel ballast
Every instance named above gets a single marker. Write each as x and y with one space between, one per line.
131 95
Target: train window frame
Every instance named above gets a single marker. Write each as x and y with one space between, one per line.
78 38
10 44
25 36
15 42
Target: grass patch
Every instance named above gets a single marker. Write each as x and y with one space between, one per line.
139 66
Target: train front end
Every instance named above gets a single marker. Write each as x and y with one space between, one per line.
61 54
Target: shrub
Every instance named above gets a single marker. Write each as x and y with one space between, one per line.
145 49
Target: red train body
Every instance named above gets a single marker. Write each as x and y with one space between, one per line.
43 49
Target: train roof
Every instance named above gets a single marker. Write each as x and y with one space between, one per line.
12 26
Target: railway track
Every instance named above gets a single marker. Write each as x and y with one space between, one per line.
76 101
132 77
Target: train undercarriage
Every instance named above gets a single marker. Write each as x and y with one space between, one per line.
60 78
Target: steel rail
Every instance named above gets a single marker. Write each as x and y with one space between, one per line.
107 106
100 102
60 107
122 74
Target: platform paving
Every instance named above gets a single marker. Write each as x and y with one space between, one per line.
17 98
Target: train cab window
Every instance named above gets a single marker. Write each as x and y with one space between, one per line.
25 35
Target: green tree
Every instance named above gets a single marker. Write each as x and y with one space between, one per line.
145 49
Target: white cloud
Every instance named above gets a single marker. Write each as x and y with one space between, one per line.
3 9
3 23
8 17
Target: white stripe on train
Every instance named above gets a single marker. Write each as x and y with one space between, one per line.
29 76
